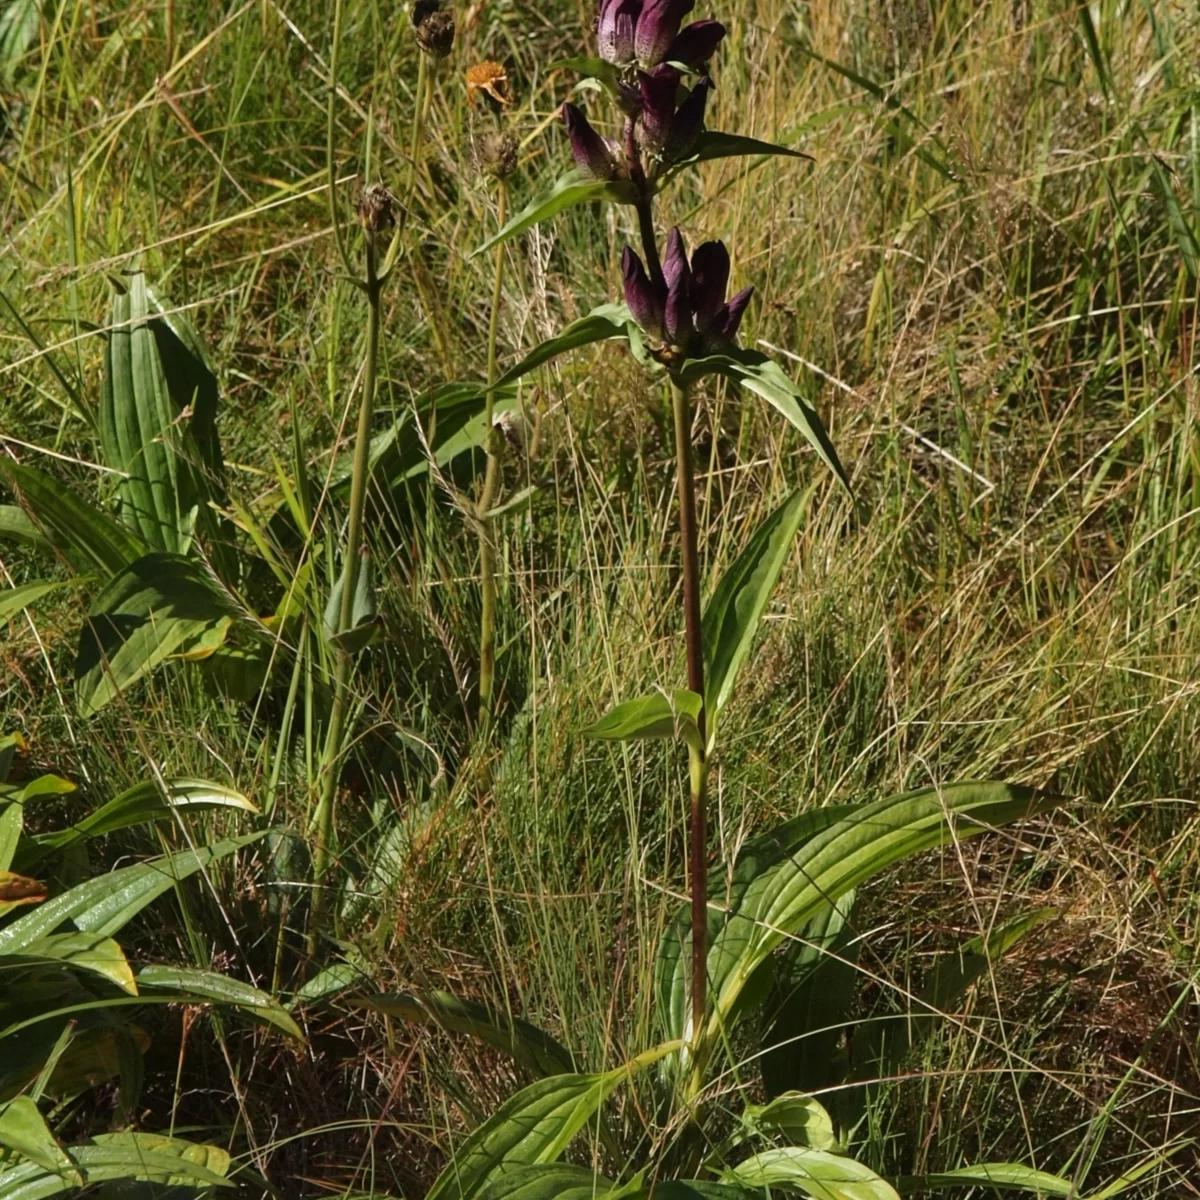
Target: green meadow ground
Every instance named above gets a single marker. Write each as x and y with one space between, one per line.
986 280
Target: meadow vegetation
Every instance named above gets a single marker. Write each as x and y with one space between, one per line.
323 907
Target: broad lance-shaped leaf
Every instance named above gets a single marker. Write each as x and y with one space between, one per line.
552 1181
712 145
87 536
815 1173
673 961
763 376
168 1162
15 600
733 613
843 856
189 984
138 805
525 1043
106 903
569 191
799 1119
534 1126
1012 1176
160 606
24 1129
83 951
655 716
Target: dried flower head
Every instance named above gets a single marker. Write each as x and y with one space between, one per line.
498 153
376 208
433 28
489 80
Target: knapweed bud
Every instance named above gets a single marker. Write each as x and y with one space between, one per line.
498 153
615 29
645 297
657 28
433 28
593 155
696 44
375 208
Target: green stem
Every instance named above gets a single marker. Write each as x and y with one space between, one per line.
330 163
331 757
487 550
698 765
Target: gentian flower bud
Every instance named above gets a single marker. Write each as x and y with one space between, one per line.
658 90
593 155
725 324
696 44
678 276
645 297
616 28
688 122
657 28
710 279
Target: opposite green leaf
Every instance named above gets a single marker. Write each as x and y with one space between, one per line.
996 1175
733 613
551 1181
569 191
655 716
816 1173
801 1120
84 951
215 988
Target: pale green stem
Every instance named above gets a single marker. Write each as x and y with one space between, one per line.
491 480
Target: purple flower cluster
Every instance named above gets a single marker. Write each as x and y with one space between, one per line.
686 307
647 32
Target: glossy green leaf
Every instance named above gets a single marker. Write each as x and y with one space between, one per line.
330 981
602 324
534 1126
364 625
84 951
36 789
788 894
712 144
551 1181
24 1129
106 903
11 822
161 1160
798 1119
815 1173
1005 1176
159 606
13 601
569 191
735 609
139 805
89 538
525 1043
763 376
655 716
215 988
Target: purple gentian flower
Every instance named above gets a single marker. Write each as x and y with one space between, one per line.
687 308
666 134
594 156
647 32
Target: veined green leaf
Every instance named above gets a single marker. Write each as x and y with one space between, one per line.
603 323
168 1161
569 191
551 1181
157 607
24 1129
816 1173
11 821
525 1043
764 377
790 893
214 988
138 805
19 25
733 613
995 1175
15 600
86 535
801 1119
84 951
534 1126
712 144
655 716
105 903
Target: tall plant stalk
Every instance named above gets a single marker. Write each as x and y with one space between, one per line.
697 759
491 480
